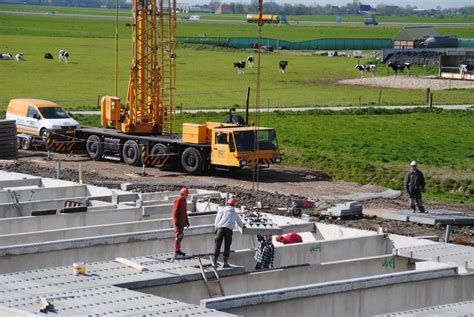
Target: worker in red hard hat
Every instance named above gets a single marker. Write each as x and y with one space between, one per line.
225 224
180 220
290 238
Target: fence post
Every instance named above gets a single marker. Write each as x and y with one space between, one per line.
428 91
380 95
430 100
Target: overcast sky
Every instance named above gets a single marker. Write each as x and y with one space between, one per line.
422 4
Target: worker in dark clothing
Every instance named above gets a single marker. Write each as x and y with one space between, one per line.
180 220
264 253
225 223
415 185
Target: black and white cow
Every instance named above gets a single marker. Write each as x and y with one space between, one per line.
250 61
464 68
5 56
63 56
19 57
48 55
240 66
399 67
282 66
369 68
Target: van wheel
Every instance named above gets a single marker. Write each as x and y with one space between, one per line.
191 160
25 143
94 147
44 133
130 153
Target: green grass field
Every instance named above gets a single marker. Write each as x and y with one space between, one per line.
207 16
205 78
365 147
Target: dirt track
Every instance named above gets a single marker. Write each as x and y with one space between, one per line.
407 82
276 188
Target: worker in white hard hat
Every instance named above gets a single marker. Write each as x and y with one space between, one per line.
225 223
415 185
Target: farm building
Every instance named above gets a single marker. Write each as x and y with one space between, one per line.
450 65
224 9
406 37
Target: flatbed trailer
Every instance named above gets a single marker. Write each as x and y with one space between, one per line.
154 150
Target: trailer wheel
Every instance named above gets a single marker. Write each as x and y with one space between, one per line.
191 160
94 147
18 142
131 153
25 143
159 149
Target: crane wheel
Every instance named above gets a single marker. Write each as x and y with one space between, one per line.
131 153
191 160
159 149
94 147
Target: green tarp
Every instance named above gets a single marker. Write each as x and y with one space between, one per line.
316 44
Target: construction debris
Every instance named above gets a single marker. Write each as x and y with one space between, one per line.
132 264
352 208
45 305
257 223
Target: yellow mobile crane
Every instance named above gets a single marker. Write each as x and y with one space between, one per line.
143 131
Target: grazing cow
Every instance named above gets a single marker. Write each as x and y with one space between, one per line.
464 68
63 56
399 67
240 66
250 61
5 56
282 66
19 57
369 68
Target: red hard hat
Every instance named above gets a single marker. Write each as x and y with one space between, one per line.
184 191
231 202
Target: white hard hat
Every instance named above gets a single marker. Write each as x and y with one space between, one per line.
413 163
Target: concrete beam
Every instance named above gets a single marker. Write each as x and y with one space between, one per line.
36 194
22 182
98 230
279 278
291 293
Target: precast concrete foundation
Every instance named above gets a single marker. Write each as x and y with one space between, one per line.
46 225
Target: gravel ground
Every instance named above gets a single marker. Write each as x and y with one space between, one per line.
406 82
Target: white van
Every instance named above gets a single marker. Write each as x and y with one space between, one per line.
36 117
194 18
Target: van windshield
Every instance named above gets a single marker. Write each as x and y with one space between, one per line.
53 113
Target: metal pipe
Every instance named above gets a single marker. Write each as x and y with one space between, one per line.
247 101
447 233
58 169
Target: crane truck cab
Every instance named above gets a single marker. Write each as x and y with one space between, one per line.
234 146
36 117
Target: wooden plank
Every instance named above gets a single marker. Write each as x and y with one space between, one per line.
132 264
